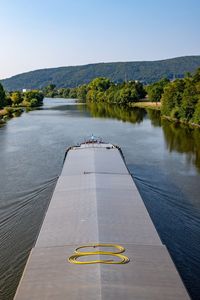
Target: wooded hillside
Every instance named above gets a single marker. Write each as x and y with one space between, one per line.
144 71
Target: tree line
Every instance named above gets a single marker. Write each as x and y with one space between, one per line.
180 98
101 90
11 103
16 98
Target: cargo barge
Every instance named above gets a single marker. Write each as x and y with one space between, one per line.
97 240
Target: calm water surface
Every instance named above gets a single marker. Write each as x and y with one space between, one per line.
163 158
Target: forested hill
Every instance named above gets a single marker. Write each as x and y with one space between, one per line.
145 71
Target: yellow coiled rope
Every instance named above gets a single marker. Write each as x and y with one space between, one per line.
77 254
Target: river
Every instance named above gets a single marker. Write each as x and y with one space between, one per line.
163 158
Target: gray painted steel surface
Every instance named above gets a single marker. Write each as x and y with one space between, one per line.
96 201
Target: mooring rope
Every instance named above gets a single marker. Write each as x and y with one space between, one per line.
77 254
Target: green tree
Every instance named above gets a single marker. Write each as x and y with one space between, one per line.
63 92
16 98
96 90
8 101
91 96
189 101
181 98
125 95
141 92
103 90
112 94
82 92
100 84
32 98
172 97
196 116
2 96
50 91
73 93
196 77
156 90
131 91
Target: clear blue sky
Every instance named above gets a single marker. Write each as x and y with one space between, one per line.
50 33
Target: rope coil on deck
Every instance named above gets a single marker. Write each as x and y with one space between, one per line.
77 254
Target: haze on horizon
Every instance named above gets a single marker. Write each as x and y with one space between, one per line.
49 33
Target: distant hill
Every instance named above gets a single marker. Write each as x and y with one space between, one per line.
145 71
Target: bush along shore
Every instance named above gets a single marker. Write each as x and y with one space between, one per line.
9 112
12 104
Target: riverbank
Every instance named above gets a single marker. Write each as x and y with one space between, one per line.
177 121
157 106
8 113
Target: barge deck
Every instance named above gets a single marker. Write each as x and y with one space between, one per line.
97 202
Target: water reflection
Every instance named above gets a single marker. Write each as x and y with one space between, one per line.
183 139
154 116
178 137
117 112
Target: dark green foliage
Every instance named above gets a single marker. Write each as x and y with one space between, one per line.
27 99
100 84
146 72
32 98
156 89
181 99
73 93
2 96
82 92
50 91
63 93
172 96
196 115
131 92
196 77
97 90
12 102
8 101
189 101
103 90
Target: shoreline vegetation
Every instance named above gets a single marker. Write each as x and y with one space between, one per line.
157 106
9 112
177 100
12 104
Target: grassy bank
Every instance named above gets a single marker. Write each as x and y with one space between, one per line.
151 105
